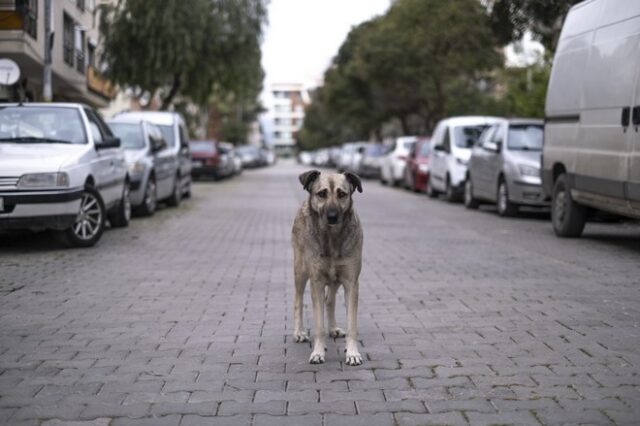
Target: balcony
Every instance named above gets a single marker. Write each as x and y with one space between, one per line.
23 17
99 85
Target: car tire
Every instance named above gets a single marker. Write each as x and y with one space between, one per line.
120 217
187 191
150 201
450 193
470 201
89 224
176 195
505 207
431 192
567 216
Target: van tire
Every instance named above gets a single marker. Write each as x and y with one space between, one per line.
567 217
505 207
450 193
431 192
470 201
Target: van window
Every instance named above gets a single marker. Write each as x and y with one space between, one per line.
467 136
525 137
446 140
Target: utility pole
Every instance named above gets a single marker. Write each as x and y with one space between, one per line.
48 46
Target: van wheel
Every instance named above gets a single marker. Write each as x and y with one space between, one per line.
431 193
505 207
469 201
121 216
450 193
89 224
567 216
150 202
176 195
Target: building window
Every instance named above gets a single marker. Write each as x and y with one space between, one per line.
68 40
80 4
80 49
28 9
91 56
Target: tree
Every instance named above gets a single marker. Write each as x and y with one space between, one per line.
182 48
510 19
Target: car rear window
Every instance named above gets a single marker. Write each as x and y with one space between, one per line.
130 134
203 147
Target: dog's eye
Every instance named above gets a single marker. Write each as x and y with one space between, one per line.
342 194
322 194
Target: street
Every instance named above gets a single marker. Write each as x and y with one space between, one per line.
186 318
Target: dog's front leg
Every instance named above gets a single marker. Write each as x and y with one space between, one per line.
351 298
299 334
334 331
317 299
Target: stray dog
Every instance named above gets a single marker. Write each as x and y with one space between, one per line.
327 251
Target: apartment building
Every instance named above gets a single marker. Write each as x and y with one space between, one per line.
76 41
285 104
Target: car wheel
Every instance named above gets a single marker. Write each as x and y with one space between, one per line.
187 191
505 207
567 216
89 224
176 194
470 201
431 192
450 193
150 202
121 216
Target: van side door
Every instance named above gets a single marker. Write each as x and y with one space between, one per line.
632 189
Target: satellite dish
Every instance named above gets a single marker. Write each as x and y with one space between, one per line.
9 72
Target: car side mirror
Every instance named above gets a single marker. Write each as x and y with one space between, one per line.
491 146
109 142
157 144
438 148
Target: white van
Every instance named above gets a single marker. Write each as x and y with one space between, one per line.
591 154
451 146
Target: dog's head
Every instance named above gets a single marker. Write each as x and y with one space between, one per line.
330 193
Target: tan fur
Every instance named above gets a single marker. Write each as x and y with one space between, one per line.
329 256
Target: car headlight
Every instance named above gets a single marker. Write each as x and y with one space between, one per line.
529 170
44 180
136 168
424 168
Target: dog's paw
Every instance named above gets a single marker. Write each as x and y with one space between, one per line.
316 358
300 337
353 358
337 332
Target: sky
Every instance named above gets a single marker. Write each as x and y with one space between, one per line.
303 36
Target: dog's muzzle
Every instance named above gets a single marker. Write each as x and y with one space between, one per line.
332 217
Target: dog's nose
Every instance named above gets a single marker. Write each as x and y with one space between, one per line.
332 216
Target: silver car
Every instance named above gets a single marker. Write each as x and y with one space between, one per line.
505 167
152 167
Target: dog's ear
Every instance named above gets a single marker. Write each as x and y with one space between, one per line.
354 180
307 178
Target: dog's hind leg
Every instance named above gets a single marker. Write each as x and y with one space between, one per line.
317 299
301 278
351 299
331 312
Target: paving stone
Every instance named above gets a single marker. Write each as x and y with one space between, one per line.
359 420
306 420
236 420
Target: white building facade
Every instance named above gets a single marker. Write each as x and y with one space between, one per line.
285 103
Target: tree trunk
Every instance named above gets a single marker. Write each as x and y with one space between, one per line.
175 87
405 124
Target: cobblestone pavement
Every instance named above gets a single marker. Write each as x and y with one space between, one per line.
185 319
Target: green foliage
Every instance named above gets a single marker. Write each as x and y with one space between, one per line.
187 48
526 91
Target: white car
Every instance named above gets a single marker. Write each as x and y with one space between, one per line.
392 165
61 169
450 153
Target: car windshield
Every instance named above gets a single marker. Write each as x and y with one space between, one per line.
130 134
376 150
467 136
202 147
525 137
22 124
168 134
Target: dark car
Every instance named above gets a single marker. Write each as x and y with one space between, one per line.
205 159
416 173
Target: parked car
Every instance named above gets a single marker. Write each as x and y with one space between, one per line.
369 166
505 167
251 156
350 156
416 173
173 129
591 154
152 168
393 164
207 159
334 156
230 150
305 158
451 146
61 169
320 158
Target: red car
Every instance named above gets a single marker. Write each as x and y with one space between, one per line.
205 158
416 173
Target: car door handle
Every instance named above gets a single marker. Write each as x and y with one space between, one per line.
624 118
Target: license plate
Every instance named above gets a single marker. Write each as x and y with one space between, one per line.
1 204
